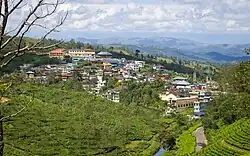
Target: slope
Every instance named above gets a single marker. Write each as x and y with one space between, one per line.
60 122
232 140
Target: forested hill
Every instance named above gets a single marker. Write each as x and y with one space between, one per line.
118 52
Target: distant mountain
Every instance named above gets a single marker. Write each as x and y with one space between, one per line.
183 48
160 42
220 57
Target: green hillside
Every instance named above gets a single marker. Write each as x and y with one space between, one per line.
232 140
60 122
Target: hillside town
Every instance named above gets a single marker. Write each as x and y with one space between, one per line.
94 70
124 78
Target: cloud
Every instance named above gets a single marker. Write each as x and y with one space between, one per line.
157 16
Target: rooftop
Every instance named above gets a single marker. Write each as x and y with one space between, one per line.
180 78
180 82
30 72
102 53
60 50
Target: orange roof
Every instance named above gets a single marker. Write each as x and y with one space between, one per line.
57 51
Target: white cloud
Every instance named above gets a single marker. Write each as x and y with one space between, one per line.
160 16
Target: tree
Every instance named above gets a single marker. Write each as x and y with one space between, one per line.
148 56
142 56
89 46
111 49
247 50
137 52
15 45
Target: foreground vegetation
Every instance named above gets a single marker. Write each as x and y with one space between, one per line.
143 94
232 140
60 122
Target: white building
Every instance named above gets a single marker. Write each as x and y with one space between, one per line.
100 81
113 94
181 84
133 66
81 53
141 64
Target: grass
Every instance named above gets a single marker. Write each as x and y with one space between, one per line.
186 142
153 148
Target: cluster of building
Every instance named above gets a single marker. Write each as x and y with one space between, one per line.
182 94
94 69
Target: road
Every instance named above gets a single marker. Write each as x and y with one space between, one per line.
200 138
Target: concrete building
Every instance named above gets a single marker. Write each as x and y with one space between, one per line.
141 64
179 78
113 94
82 53
204 98
181 84
173 97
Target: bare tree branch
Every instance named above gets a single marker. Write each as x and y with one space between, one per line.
12 115
25 27
1 5
5 89
15 7
18 112
22 51
21 27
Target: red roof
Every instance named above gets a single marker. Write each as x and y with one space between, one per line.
57 51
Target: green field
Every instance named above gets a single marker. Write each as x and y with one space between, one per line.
60 122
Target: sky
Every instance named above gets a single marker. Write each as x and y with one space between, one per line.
210 21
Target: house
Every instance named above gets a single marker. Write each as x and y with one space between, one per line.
108 72
30 74
81 53
180 78
178 84
113 62
107 65
163 77
169 96
141 64
100 80
65 76
204 98
159 68
25 67
198 109
57 53
133 66
173 97
113 94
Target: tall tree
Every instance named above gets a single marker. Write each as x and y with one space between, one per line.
12 35
137 52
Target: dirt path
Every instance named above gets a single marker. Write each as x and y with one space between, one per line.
200 138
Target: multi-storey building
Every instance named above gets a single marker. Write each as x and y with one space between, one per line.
82 53
200 105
